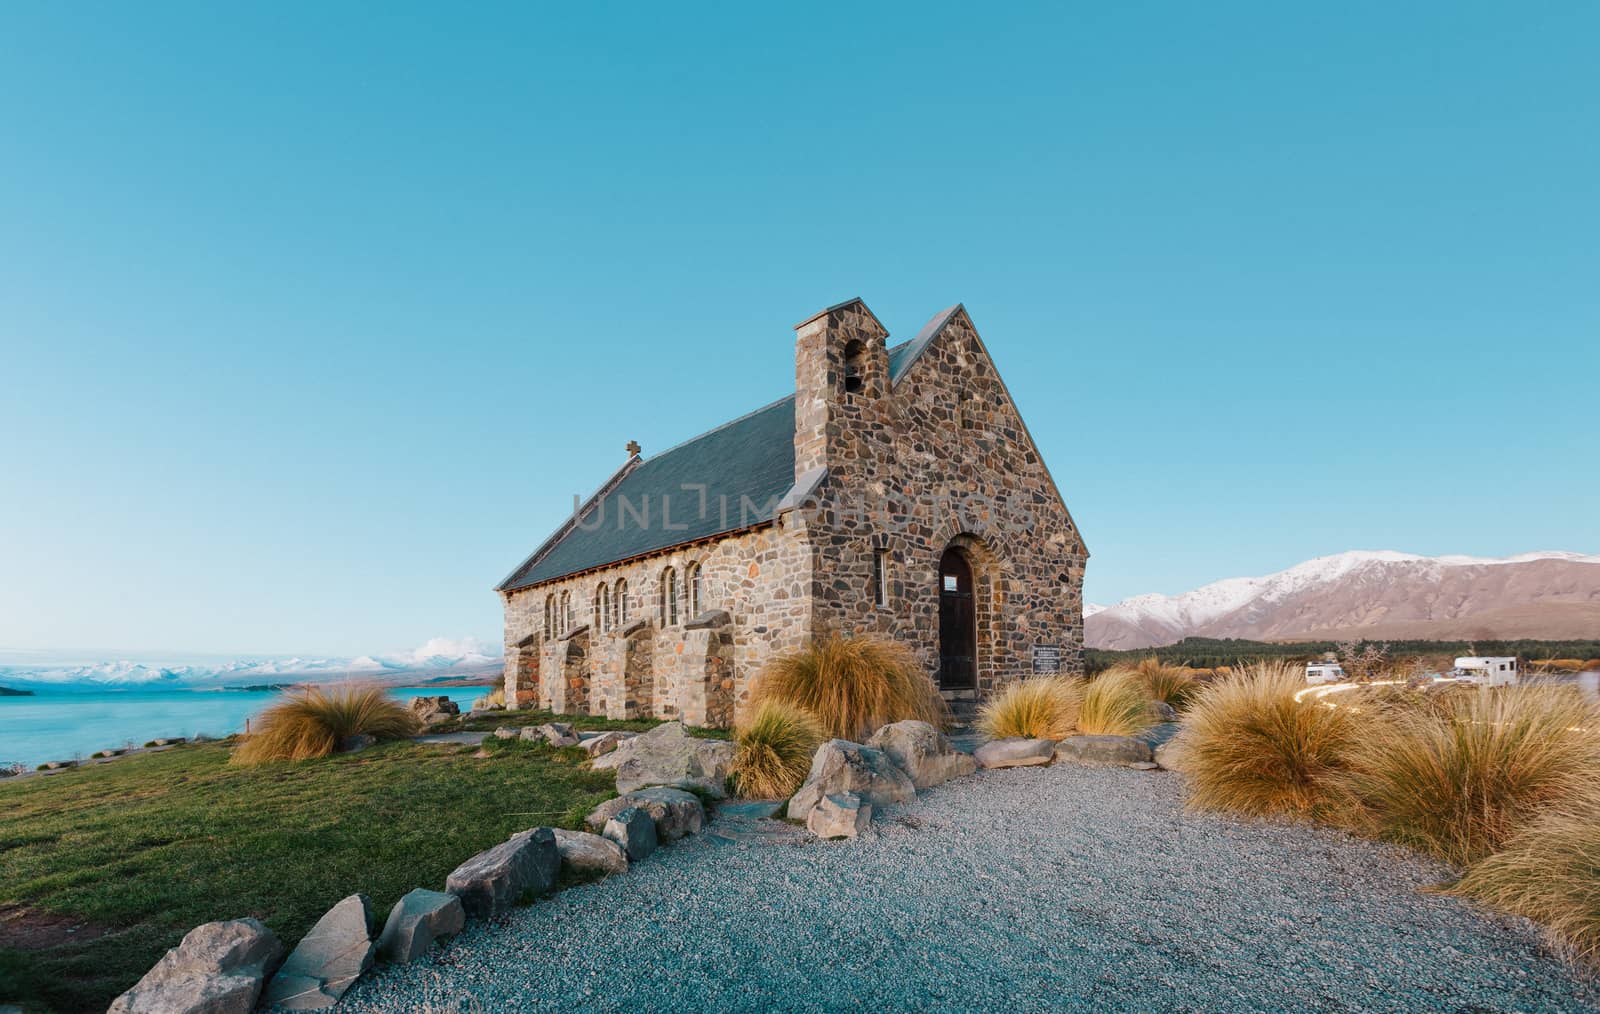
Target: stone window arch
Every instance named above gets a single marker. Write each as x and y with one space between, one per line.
602 608
854 356
549 616
622 602
669 598
566 611
695 583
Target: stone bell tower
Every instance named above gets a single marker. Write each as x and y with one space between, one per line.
841 369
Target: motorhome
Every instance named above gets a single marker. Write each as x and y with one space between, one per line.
1487 670
1318 673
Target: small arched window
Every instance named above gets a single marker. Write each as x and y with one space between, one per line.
566 611
622 602
549 616
694 590
852 366
602 609
669 598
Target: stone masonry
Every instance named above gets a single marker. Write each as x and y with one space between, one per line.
891 472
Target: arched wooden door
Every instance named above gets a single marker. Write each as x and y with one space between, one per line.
958 633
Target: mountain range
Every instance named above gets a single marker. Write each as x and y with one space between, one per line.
436 658
1371 594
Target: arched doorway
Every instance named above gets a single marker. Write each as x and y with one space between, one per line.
958 629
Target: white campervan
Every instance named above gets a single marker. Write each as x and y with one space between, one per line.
1487 670
1318 673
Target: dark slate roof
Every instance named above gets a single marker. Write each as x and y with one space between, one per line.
749 459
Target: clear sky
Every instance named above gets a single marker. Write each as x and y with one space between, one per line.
313 317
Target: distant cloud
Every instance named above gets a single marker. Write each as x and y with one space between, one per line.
449 647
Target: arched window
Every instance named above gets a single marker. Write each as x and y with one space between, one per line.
602 610
669 598
852 366
549 616
566 611
694 590
622 602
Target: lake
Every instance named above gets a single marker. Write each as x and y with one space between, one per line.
50 727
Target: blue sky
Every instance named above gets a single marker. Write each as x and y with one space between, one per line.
314 317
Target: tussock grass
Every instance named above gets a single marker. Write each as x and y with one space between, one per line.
773 750
1115 704
1251 748
495 698
853 685
310 723
1044 707
1460 782
1173 684
1550 872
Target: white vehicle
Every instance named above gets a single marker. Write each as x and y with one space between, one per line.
1487 670
1318 673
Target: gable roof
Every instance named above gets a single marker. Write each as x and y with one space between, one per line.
746 466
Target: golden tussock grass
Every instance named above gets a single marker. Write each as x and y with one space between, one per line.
853 685
310 723
1550 873
1461 779
773 750
1250 747
1044 707
1115 703
1174 684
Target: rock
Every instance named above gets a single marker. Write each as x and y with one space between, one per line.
604 743
922 752
174 741
434 718
108 753
434 706
57 765
1163 711
1015 753
491 882
841 815
327 961
634 830
1170 755
667 755
1145 766
416 921
1104 750
677 813
217 969
558 734
360 741
507 732
843 766
587 852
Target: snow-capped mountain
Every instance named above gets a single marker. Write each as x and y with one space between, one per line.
1379 594
437 657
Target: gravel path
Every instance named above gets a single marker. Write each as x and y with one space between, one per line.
1031 889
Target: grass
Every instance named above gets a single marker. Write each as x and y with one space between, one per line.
310 723
152 845
1045 707
524 717
774 750
853 685
1115 704
1461 780
1549 872
1251 748
1172 684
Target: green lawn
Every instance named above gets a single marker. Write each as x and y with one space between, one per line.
153 845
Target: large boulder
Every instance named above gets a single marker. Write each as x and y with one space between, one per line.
634 831
604 743
667 755
421 706
217 969
1015 753
677 813
841 815
922 752
1171 755
328 960
416 921
558 734
1104 750
843 766
590 853
490 882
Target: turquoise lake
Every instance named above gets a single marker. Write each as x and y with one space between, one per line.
49 727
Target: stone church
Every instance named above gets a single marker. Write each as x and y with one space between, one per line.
896 492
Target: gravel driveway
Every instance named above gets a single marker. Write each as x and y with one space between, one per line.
1061 888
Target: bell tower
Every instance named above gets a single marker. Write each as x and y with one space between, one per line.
841 369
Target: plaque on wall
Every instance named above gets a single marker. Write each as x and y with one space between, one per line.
1046 658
